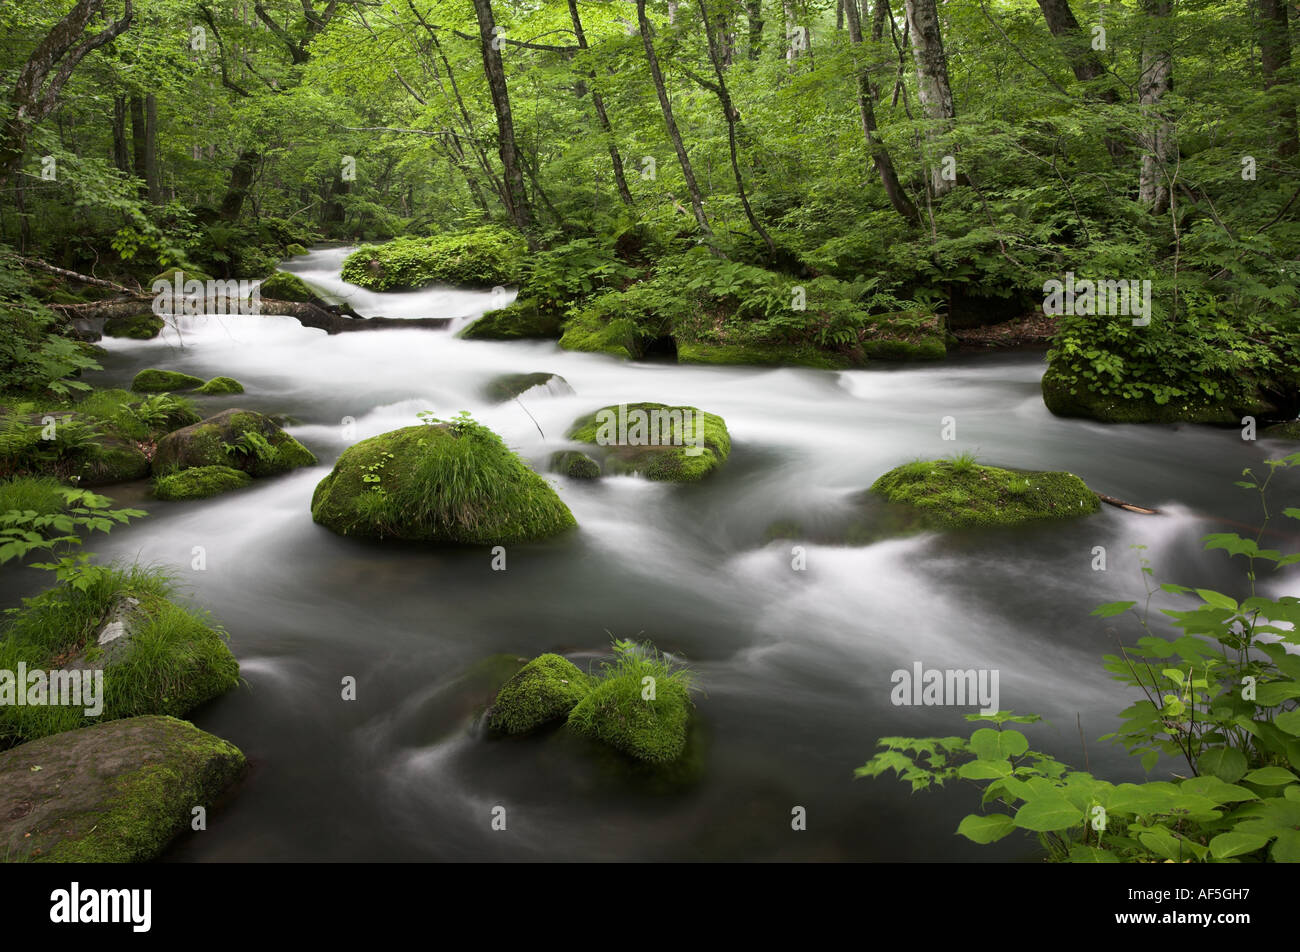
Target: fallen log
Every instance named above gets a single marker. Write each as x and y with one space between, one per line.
1121 504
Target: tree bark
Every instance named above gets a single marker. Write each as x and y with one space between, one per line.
933 88
153 183
1083 60
598 103
36 92
866 108
1275 59
241 180
697 202
1156 81
515 195
139 147
754 13
121 154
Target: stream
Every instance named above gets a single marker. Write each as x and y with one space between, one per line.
794 666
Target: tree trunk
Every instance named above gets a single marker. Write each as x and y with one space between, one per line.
1084 62
1156 81
933 88
139 149
1275 57
599 104
241 180
516 197
697 202
866 107
878 20
754 13
153 184
121 152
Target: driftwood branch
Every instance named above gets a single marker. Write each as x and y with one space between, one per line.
1121 504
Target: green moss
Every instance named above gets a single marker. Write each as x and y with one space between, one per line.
170 277
236 438
575 465
587 331
483 257
442 483
200 483
144 326
283 286
524 318
544 690
113 461
788 355
1067 398
159 381
294 250
1282 431
662 447
948 494
508 386
906 335
222 385
645 719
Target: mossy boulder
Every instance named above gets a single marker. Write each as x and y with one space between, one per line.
112 460
949 494
221 385
1282 431
522 319
294 250
575 465
438 483
508 386
545 690
116 792
615 711
240 439
589 331
484 257
671 444
283 286
144 326
153 380
200 482
762 355
1078 397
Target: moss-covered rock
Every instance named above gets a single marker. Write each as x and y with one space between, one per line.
906 335
508 386
294 250
200 483
1282 431
171 276
112 460
621 710
283 286
484 257
947 494
144 326
116 792
240 439
590 332
153 380
522 319
672 444
1066 398
762 355
545 690
575 465
453 482
221 385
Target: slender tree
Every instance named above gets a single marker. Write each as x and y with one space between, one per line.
511 164
1275 59
598 103
1155 82
933 88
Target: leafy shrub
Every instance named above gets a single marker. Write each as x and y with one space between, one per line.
483 257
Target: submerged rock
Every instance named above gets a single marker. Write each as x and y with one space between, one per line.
508 386
1282 431
240 439
449 482
672 444
575 465
546 689
221 385
160 381
949 494
117 792
522 319
200 482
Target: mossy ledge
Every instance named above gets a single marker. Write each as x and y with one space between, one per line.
953 494
445 482
117 792
670 444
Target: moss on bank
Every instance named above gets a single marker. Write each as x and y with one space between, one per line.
522 319
948 494
483 257
544 690
671 444
449 482
200 482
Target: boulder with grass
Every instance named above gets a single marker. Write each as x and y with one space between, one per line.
221 385
201 482
483 258
154 655
672 444
144 326
153 380
544 691
239 439
438 482
640 705
116 792
960 493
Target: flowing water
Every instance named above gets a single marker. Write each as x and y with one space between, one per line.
794 666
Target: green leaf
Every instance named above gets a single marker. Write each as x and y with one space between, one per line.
1217 599
1270 776
1286 848
984 770
1228 845
986 829
1091 854
1226 763
990 744
1110 609
1289 722
1048 814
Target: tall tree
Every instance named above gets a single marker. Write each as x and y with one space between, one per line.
1155 82
511 164
1275 59
47 70
666 106
866 109
598 103
754 14
933 88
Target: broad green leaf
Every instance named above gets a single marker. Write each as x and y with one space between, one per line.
990 744
1110 609
1270 776
1226 763
1048 814
1228 845
986 829
1091 854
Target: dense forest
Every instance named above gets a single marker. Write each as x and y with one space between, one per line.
1070 229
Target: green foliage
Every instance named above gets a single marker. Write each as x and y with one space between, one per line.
1220 696
480 258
